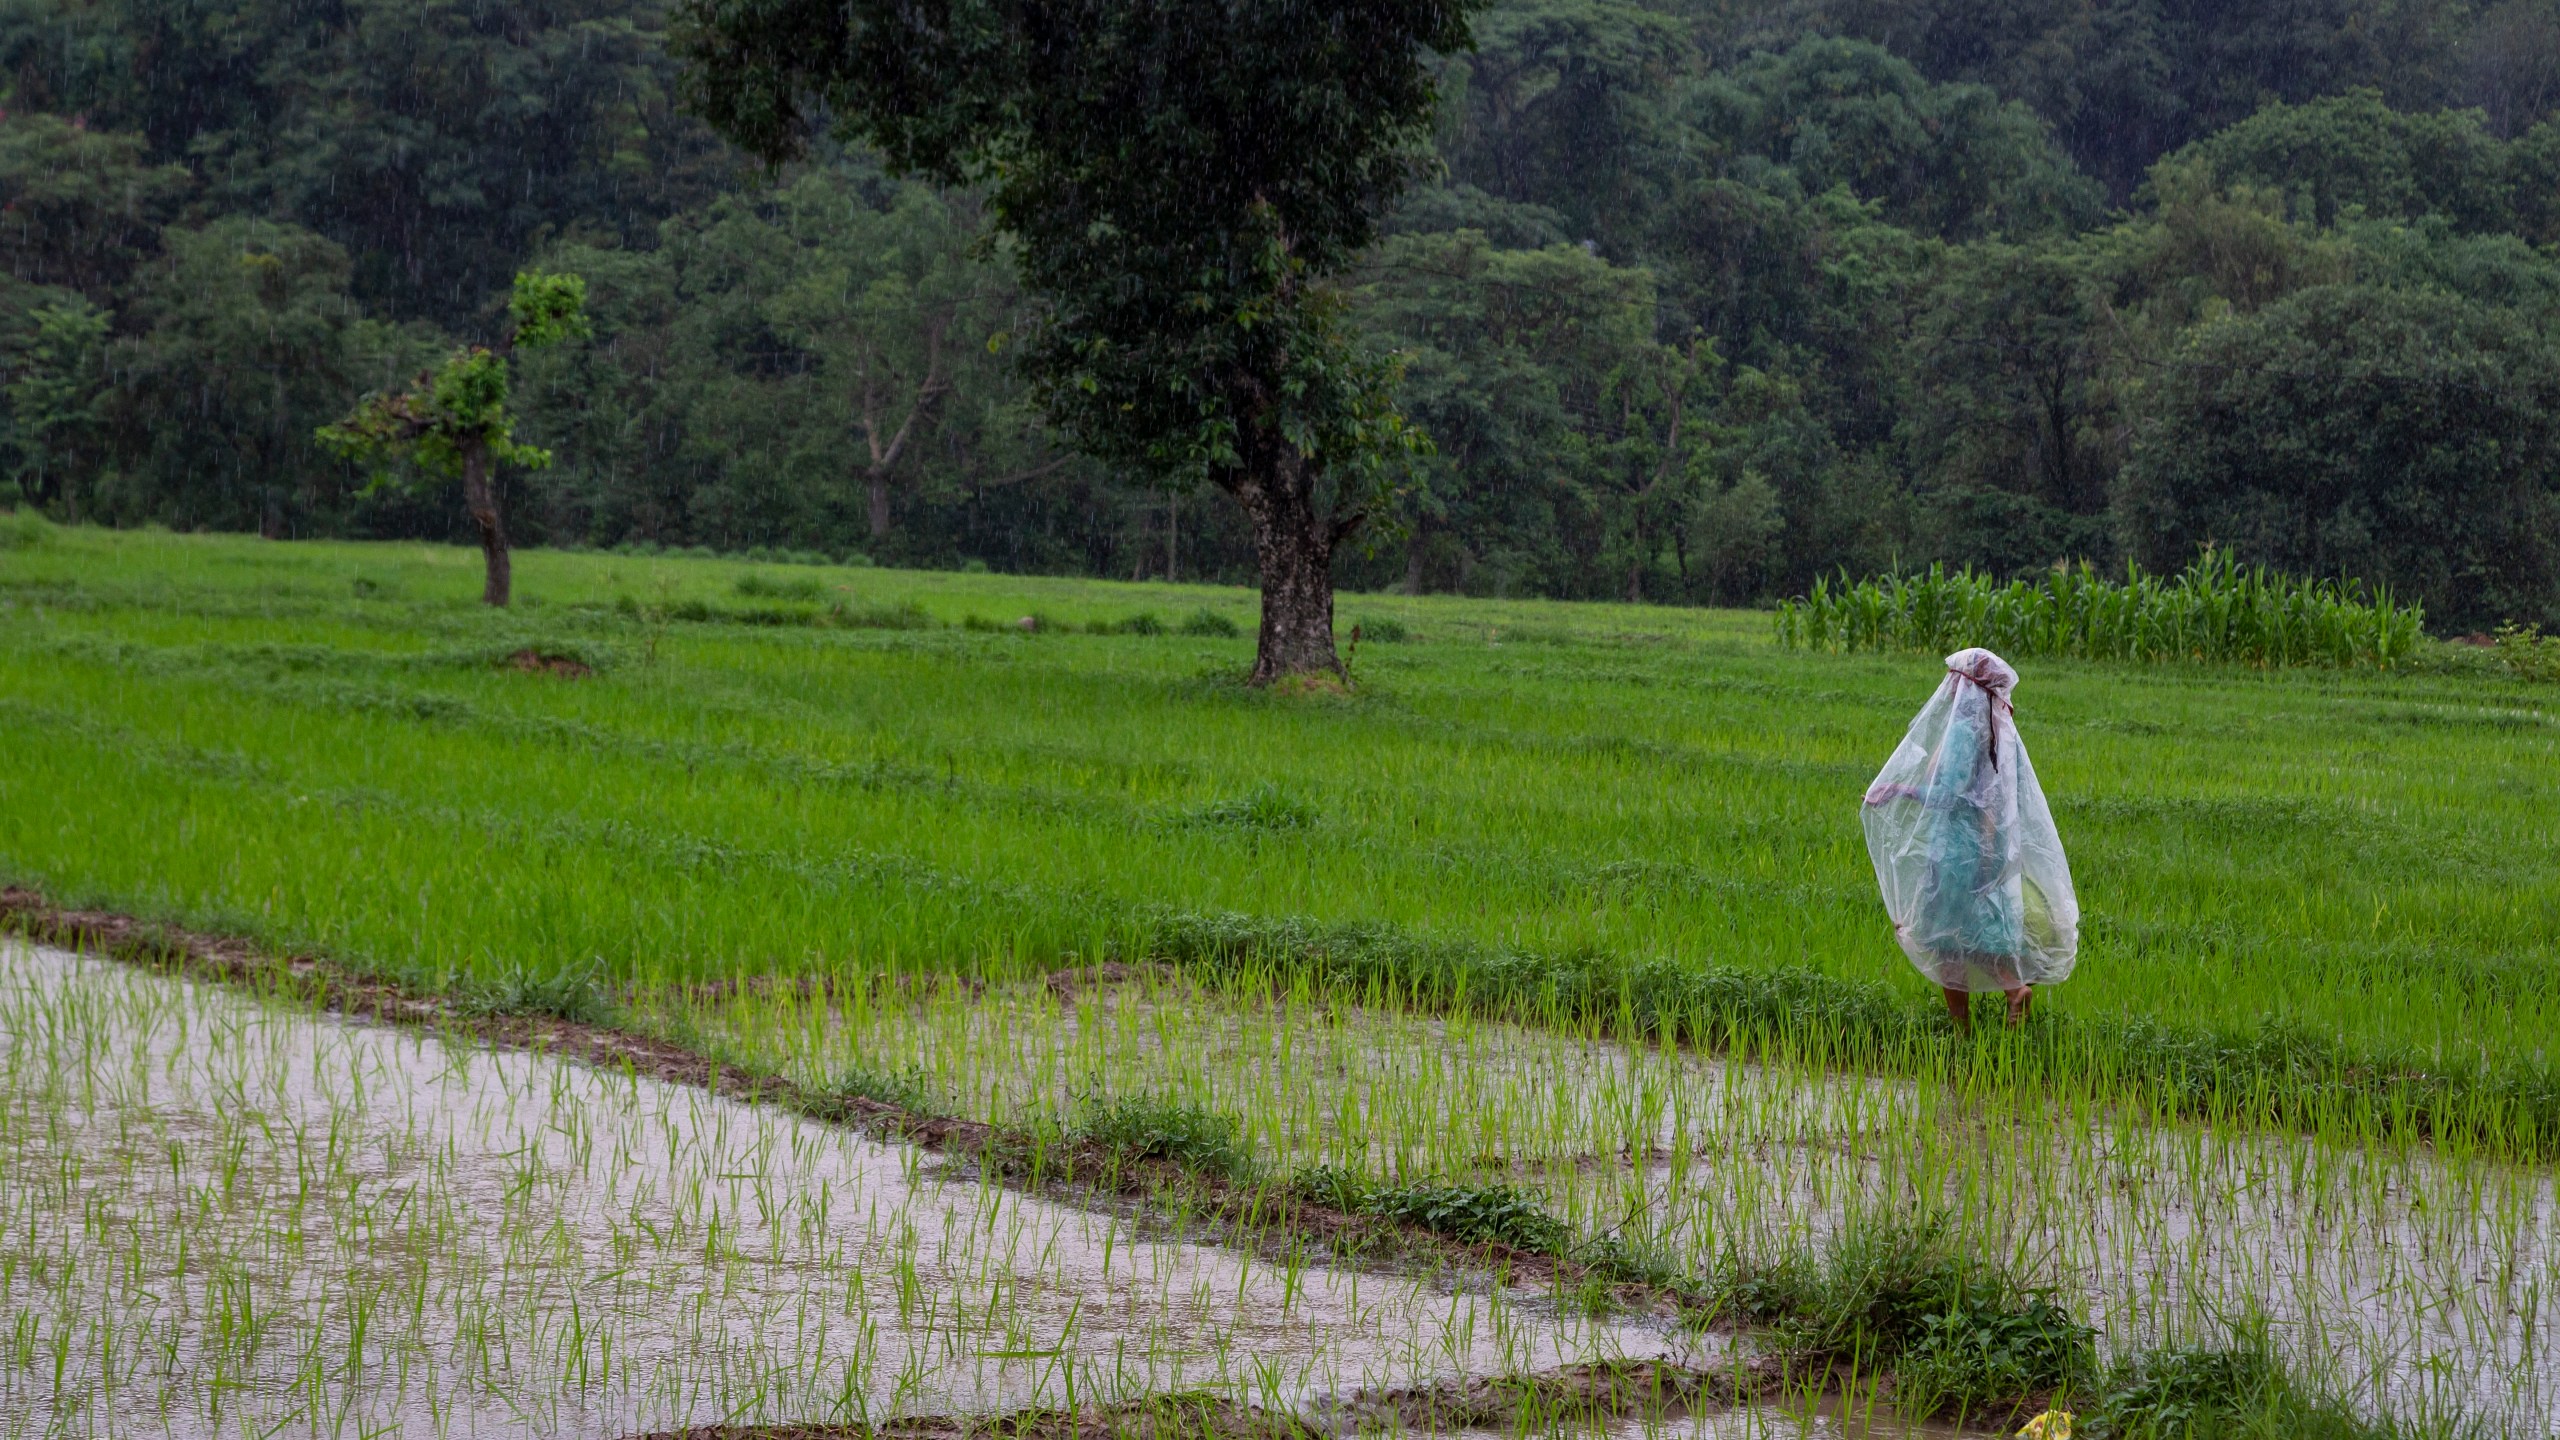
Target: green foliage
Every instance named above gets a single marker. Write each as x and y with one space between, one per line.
457 416
431 142
1185 332
1962 1337
1209 624
244 327
548 310
1134 1128
1474 1215
24 530
1949 160
1266 807
2354 153
909 1088
79 208
2239 1389
578 994
2527 652
56 395
2214 610
2410 440
771 587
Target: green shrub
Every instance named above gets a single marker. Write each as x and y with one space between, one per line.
1147 1127
1142 623
1209 623
1382 630
1475 1215
24 530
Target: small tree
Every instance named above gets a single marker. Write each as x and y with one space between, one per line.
454 421
1177 179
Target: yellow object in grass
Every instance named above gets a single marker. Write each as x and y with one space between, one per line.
2051 1425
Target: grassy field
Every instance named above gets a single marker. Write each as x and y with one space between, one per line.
2318 901
326 746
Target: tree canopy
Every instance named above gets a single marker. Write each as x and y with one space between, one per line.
1693 301
1176 180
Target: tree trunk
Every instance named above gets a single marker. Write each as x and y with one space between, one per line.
1293 545
878 480
480 493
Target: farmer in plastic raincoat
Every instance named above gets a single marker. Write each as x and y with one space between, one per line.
1964 846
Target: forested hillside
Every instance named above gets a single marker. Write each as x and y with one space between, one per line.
1711 296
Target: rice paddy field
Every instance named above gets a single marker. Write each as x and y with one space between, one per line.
1558 926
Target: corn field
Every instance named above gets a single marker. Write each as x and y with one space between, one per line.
2214 610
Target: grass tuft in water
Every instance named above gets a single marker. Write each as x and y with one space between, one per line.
1137 1128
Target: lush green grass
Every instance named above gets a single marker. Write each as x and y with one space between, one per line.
320 745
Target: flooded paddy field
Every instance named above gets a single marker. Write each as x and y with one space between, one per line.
223 1215
2417 1284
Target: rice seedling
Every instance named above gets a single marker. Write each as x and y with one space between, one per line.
221 1213
1939 1228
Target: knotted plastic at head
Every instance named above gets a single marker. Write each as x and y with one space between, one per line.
1986 670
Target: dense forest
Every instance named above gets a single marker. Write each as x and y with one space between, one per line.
1705 299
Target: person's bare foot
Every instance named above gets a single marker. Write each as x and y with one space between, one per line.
2019 1000
1959 1008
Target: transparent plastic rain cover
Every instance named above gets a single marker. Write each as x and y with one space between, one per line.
1964 844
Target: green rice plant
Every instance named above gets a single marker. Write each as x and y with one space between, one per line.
2215 610
759 586
906 614
1266 807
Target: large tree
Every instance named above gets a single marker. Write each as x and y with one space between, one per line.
1177 180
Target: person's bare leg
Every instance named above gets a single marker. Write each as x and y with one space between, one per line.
1959 1007
2019 1000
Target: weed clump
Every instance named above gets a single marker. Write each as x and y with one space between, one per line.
1137 1128
1266 807
771 587
24 530
907 1087
1145 622
1474 1215
1206 623
1961 1337
904 615
578 995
